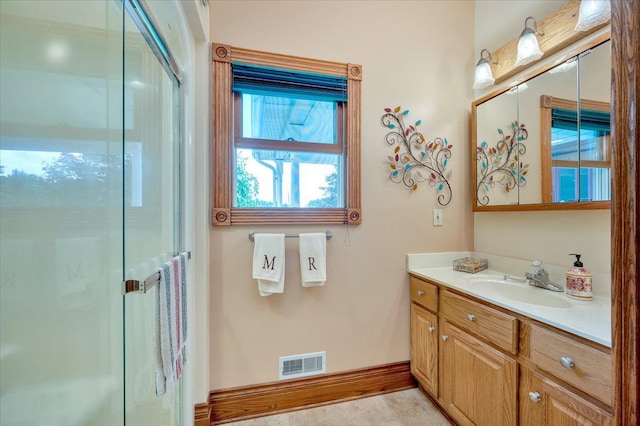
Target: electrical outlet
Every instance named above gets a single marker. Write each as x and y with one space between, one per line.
437 217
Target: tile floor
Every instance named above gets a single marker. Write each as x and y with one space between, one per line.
404 408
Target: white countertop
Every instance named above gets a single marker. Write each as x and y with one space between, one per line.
590 319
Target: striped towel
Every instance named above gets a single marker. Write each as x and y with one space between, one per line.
171 325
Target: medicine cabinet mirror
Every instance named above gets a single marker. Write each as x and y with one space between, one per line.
544 143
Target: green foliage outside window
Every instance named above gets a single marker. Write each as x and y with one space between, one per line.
330 193
70 180
248 187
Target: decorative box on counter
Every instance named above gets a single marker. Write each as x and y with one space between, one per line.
470 264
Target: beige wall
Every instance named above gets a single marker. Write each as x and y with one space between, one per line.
197 184
547 236
415 54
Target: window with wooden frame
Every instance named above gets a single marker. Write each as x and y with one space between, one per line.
575 151
286 139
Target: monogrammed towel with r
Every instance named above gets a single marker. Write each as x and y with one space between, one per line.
268 263
313 259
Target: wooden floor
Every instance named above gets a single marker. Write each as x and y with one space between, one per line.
404 408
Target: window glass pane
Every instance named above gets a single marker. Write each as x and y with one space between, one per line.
595 184
593 145
286 118
267 178
565 184
564 144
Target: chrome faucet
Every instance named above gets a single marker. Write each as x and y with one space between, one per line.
540 278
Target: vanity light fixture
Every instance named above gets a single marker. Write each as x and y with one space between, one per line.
484 76
565 66
528 49
518 89
593 13
57 51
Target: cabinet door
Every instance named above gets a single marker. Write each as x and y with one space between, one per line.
479 382
424 348
544 402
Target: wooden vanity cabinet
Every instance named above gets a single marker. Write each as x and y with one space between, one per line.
580 365
479 382
424 348
544 402
489 324
424 294
424 334
489 366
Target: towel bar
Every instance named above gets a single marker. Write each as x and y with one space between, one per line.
135 286
327 232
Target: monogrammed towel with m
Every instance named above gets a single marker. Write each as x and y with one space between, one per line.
268 263
313 259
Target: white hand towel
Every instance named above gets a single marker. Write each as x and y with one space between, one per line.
171 325
313 259
268 263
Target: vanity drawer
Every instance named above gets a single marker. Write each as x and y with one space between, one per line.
581 365
494 326
424 294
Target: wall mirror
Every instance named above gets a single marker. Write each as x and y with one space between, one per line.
544 143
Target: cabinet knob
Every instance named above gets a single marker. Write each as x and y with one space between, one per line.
420 293
431 329
567 362
471 317
534 396
445 337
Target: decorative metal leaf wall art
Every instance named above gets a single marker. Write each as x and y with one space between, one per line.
502 165
414 160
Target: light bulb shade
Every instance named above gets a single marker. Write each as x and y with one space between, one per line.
563 67
528 49
518 89
593 13
484 76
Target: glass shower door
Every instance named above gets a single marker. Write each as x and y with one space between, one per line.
151 213
61 347
89 189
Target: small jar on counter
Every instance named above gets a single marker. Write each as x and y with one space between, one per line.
579 281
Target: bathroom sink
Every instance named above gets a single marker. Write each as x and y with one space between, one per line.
522 293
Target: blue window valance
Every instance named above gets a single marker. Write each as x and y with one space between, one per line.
589 120
270 81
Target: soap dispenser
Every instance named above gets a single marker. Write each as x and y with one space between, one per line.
579 281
